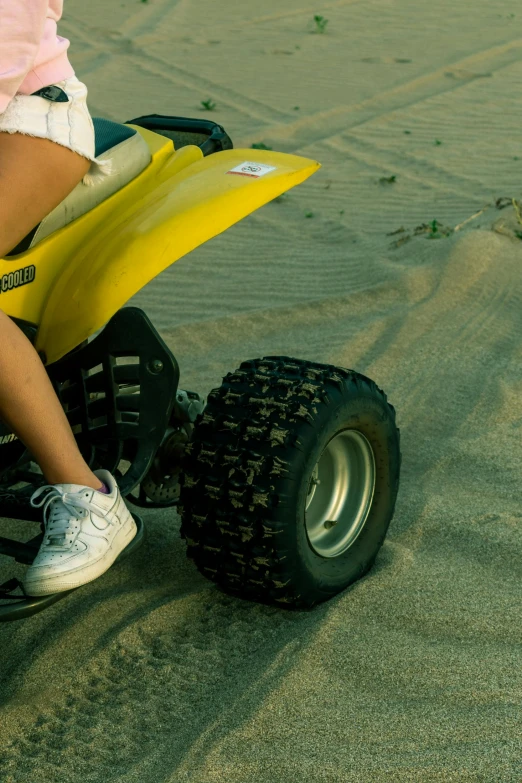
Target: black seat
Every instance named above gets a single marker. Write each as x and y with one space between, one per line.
108 134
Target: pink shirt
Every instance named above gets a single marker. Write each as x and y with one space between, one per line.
32 55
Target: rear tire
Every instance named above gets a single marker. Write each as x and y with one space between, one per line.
247 480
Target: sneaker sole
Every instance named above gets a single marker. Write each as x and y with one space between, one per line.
61 582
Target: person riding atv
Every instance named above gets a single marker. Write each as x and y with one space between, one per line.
47 146
285 477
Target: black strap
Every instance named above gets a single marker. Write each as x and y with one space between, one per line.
53 93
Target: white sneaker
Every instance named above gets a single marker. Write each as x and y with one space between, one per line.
85 531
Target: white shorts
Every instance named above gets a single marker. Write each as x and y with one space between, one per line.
68 123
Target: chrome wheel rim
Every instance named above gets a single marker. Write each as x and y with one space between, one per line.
340 493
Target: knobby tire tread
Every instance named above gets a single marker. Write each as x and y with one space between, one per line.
238 464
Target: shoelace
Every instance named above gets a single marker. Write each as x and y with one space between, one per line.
57 517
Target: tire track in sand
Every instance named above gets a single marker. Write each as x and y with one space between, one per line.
327 124
308 10
427 174
175 74
297 134
143 684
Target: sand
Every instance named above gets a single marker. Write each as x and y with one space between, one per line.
150 674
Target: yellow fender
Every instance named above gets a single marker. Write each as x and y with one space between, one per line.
90 268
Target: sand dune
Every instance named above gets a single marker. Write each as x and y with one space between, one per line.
151 674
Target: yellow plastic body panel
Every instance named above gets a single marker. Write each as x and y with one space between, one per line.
87 270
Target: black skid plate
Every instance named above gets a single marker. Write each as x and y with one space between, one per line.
118 392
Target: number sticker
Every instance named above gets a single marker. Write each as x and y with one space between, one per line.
249 169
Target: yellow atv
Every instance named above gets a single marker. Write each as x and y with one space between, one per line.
286 477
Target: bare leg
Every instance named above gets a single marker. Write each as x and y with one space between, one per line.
35 175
